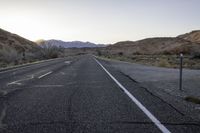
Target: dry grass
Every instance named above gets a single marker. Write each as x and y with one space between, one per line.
163 63
10 56
169 61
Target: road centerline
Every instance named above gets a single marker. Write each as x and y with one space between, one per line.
138 103
17 82
44 75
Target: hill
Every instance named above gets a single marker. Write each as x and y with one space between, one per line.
193 36
72 44
12 41
160 51
163 45
15 49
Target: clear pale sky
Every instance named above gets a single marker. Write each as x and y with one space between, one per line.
99 21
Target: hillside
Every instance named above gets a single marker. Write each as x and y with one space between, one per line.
16 50
193 36
160 52
72 44
12 41
164 45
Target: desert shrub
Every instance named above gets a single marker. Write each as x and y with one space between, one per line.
167 52
196 55
30 56
9 55
51 51
136 53
99 52
120 53
163 63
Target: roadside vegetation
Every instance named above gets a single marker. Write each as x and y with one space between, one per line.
10 56
161 60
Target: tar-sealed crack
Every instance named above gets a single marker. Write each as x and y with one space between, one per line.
2 116
70 113
3 93
107 123
147 90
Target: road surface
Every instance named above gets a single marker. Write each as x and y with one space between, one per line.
82 94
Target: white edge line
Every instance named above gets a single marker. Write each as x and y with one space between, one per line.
45 75
142 107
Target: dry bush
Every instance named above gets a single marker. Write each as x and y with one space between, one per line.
196 52
9 56
50 51
163 63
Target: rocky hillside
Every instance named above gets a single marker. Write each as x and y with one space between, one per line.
16 50
72 44
164 45
193 36
12 41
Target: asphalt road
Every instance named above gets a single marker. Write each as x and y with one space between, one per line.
81 94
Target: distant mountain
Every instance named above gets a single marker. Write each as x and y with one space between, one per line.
187 44
193 36
12 41
72 44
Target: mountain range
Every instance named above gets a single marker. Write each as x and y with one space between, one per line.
186 43
72 44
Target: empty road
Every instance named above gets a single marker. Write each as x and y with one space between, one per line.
82 95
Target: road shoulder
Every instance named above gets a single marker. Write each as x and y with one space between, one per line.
163 83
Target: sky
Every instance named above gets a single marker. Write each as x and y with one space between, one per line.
99 21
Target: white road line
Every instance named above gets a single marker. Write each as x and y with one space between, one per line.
45 75
17 82
67 62
142 107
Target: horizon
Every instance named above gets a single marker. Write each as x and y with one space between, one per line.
114 42
99 22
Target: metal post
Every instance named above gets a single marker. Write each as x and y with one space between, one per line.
181 72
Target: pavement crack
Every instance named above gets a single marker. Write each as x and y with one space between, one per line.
170 105
2 116
3 93
70 113
165 123
61 122
147 90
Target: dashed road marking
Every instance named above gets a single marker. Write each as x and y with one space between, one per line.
44 75
17 82
67 62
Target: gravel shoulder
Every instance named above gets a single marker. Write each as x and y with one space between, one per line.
164 83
